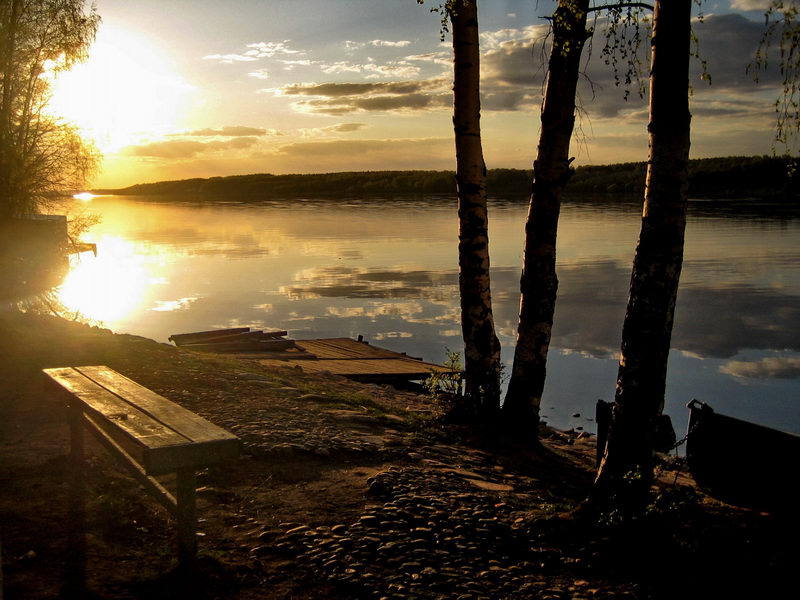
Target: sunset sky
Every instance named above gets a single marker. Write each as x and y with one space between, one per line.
197 88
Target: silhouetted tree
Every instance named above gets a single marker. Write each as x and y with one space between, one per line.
626 471
481 346
39 154
551 171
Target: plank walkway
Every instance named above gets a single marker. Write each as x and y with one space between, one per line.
357 360
347 357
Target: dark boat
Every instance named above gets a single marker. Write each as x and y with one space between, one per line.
742 463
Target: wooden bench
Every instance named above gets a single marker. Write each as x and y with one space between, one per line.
148 434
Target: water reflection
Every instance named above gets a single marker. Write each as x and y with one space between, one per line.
388 270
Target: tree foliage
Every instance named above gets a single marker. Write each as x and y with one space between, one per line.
783 31
40 155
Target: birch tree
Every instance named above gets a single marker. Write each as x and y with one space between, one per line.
481 346
551 171
626 471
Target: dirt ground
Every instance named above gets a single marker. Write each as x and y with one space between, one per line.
344 490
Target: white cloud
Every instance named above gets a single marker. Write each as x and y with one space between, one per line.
256 51
387 43
229 58
259 74
372 69
270 49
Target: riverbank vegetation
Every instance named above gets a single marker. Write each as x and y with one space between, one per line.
725 177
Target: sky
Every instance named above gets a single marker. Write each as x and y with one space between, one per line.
175 89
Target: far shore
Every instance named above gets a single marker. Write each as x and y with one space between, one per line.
756 177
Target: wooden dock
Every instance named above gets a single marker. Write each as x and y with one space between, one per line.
355 359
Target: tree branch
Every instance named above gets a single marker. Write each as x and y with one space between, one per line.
621 5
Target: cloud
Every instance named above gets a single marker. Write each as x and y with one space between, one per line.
259 74
324 131
229 58
386 43
400 103
181 149
362 89
513 61
750 4
256 51
270 49
372 69
344 127
228 131
773 367
438 58
344 98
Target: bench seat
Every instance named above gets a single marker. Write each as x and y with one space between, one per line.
166 436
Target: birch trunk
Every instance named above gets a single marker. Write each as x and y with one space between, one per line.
551 171
481 346
626 471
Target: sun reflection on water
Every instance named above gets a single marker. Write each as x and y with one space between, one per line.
107 287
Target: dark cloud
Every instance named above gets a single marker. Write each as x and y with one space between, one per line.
178 149
336 90
772 367
513 73
345 127
228 131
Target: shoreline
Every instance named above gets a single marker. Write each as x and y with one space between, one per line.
345 490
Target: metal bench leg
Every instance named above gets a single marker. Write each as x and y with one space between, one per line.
187 518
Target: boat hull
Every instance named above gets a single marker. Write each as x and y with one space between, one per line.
742 463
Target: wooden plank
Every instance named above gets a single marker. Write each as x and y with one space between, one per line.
238 337
210 444
136 425
163 448
243 346
342 348
287 355
173 416
185 338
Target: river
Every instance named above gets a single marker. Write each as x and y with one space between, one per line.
387 269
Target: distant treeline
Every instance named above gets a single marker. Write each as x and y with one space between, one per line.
728 177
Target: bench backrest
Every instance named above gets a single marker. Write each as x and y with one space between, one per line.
167 436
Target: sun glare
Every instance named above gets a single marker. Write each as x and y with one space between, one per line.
84 196
107 288
127 91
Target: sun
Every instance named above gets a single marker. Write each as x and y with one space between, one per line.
127 91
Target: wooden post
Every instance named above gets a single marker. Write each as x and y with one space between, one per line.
187 518
76 556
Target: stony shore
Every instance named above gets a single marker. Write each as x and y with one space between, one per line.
345 490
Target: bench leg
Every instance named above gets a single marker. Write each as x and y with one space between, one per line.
76 557
187 518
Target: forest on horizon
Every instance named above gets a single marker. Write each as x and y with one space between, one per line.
724 177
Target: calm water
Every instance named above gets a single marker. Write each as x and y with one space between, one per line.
387 269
